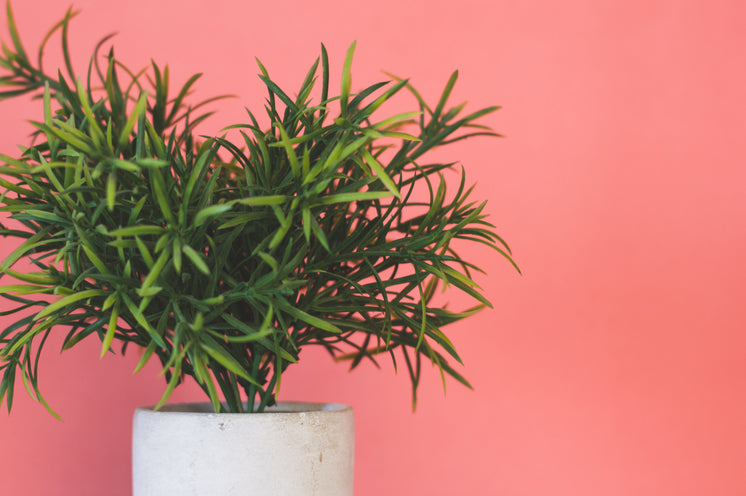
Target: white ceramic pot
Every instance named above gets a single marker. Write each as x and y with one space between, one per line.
293 449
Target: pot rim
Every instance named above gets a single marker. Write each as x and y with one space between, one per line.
281 408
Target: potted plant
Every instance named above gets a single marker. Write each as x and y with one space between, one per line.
222 257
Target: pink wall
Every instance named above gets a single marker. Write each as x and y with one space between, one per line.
614 366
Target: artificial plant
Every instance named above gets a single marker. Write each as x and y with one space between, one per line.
223 258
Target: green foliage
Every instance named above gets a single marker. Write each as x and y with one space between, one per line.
221 258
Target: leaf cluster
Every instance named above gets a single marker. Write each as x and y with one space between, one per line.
222 258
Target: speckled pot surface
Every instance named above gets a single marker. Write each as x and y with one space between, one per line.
294 449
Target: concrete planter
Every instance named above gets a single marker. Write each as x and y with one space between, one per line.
294 449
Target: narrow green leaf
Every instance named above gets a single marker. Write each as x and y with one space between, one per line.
13 30
197 259
151 163
173 382
110 330
262 201
269 260
140 318
47 107
220 355
250 333
289 150
111 190
444 97
176 249
156 270
324 79
147 353
136 231
396 119
243 219
203 376
94 129
70 135
285 224
97 262
351 197
149 292
126 165
306 164
68 300
209 212
24 289
309 319
144 252
320 235
275 90
109 302
26 247
137 112
159 189
135 212
380 173
32 277
346 79
200 167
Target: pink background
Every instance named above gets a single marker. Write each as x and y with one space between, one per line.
614 366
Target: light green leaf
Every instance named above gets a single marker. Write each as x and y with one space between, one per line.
173 382
145 357
110 330
307 224
197 259
139 109
380 173
32 277
206 213
155 271
351 197
261 201
309 319
140 318
396 119
111 190
125 165
251 334
320 235
292 157
346 79
95 259
176 249
220 355
269 260
24 289
144 252
136 231
161 196
68 300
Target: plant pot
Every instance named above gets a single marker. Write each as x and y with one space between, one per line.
293 449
